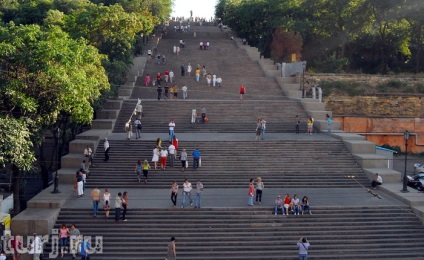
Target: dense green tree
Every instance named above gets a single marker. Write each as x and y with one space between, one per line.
413 14
360 35
46 78
257 20
159 9
108 28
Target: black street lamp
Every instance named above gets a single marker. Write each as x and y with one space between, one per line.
406 137
56 178
303 79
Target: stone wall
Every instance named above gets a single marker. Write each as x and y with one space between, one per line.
369 78
376 106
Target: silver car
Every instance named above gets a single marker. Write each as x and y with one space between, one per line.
418 168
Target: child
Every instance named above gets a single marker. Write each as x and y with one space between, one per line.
106 207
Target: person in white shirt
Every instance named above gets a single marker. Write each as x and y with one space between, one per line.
171 150
88 153
263 128
377 181
128 129
36 247
193 115
214 80
303 246
163 157
106 147
139 109
171 76
189 69
186 193
184 89
295 205
171 129
219 81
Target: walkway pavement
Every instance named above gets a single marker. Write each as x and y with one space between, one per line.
237 198
224 136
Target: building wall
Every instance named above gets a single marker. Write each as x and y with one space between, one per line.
389 131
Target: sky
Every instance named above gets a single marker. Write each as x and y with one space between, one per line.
201 8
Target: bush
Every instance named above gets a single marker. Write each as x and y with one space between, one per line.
331 65
419 88
352 88
393 86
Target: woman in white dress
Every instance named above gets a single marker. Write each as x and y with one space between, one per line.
209 79
193 115
155 157
189 69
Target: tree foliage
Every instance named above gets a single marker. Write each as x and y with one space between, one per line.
108 28
15 140
56 59
374 36
46 73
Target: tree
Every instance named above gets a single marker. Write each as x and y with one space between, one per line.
45 76
412 13
16 149
388 26
108 28
257 20
284 44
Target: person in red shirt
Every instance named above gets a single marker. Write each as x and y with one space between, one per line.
242 91
175 143
16 244
287 201
158 78
166 76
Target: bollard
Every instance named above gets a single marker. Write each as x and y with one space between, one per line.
320 94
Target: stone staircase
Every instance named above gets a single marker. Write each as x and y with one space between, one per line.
223 58
235 233
224 116
230 164
345 231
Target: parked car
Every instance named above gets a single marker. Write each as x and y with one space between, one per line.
416 181
418 168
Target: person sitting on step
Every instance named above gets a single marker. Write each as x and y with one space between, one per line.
377 181
295 205
305 205
278 205
287 202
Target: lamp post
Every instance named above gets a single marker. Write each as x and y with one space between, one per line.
56 178
406 137
303 78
